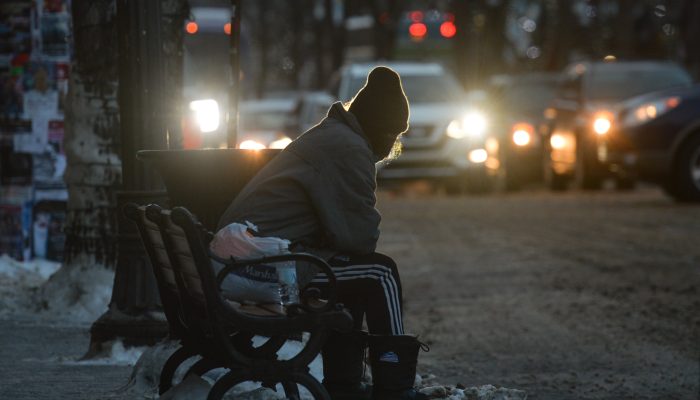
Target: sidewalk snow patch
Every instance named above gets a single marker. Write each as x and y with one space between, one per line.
146 375
118 355
20 281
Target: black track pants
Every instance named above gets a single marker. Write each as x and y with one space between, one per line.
369 286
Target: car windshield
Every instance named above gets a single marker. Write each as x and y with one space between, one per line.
423 88
267 121
529 96
206 63
624 83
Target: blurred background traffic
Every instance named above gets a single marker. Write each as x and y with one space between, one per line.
504 94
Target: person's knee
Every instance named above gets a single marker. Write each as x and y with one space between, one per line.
384 260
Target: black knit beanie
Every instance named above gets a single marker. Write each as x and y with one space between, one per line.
381 108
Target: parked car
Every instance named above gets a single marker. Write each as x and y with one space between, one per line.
657 137
584 109
518 103
310 109
266 123
446 140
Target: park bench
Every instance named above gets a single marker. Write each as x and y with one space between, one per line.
221 331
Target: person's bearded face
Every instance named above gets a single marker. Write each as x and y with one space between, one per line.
387 147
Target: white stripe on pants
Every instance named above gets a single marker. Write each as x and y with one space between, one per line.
384 277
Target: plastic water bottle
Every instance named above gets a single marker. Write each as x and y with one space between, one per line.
287 280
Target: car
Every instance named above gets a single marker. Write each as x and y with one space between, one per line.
446 140
584 108
518 103
206 78
311 107
266 123
657 137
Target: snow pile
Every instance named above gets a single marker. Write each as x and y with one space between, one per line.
79 292
489 392
146 375
20 281
117 355
427 386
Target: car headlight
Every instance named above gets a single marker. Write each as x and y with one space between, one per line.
602 122
280 143
522 134
650 110
558 141
206 113
251 145
472 124
478 156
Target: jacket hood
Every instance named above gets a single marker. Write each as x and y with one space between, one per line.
338 112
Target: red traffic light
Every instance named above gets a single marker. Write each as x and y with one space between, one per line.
417 30
191 28
448 29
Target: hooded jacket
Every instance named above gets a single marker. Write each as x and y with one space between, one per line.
319 192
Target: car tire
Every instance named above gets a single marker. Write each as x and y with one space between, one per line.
625 183
555 182
684 183
455 186
478 182
512 185
588 174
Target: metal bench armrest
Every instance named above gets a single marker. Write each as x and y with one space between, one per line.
308 295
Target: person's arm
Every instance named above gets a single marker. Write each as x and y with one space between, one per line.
345 202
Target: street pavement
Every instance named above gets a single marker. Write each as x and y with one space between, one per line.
39 361
566 296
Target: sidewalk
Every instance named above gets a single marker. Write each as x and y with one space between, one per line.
39 361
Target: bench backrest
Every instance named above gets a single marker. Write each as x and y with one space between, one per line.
184 260
166 277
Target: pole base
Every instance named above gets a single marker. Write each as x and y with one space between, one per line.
145 329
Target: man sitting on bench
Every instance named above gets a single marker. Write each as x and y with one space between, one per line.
319 193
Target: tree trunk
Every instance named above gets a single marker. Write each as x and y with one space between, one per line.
494 39
386 15
263 48
560 29
93 172
92 145
461 42
297 10
174 14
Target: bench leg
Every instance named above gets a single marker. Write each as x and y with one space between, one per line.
291 390
168 371
317 390
225 383
203 366
267 351
233 378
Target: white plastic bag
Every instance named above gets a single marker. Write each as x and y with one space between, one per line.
252 283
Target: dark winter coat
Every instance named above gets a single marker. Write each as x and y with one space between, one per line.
319 192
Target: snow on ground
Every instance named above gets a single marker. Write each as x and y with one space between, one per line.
144 381
79 294
118 355
20 281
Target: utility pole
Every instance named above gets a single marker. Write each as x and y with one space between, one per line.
235 86
135 312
